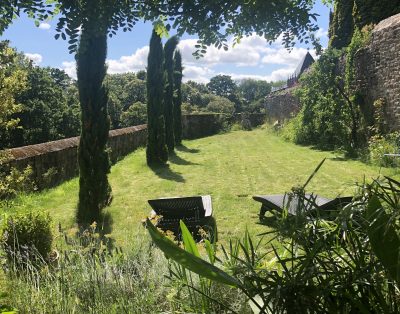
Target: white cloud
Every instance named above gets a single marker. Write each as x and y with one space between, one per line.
285 57
197 73
321 33
277 75
132 63
247 53
253 53
44 26
35 57
70 68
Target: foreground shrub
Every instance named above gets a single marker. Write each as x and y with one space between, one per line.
27 238
89 277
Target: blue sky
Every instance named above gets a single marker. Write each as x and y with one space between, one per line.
127 52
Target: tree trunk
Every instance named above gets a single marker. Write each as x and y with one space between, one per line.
94 165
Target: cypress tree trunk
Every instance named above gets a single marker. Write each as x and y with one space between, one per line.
169 49
156 151
178 97
94 189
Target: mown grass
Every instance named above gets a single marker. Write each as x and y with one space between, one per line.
231 167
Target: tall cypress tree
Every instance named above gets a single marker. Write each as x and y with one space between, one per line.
178 97
156 152
94 165
341 24
169 49
372 11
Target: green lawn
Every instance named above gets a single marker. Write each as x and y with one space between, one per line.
231 167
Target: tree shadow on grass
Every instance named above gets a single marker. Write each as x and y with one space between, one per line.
165 172
175 159
105 227
99 230
185 149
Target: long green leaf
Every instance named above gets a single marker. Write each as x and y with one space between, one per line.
210 251
187 260
383 237
314 173
188 241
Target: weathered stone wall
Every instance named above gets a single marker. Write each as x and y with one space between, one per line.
55 162
282 105
377 69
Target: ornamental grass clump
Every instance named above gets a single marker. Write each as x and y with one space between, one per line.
90 277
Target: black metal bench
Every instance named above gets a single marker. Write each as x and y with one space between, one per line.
310 203
194 211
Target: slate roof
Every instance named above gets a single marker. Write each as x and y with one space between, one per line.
304 64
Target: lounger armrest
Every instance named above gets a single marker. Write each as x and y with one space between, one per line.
207 205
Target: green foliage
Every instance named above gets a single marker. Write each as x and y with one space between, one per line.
178 97
86 276
26 237
135 115
342 265
94 164
186 257
221 105
169 50
12 83
379 145
325 116
351 16
368 12
13 182
379 126
156 151
224 86
359 40
47 101
125 90
253 93
385 240
341 24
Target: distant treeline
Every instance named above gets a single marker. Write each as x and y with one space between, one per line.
47 102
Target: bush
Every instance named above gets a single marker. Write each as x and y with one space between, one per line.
380 145
135 115
12 180
27 237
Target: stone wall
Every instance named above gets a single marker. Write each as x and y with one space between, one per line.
281 105
201 125
55 162
377 69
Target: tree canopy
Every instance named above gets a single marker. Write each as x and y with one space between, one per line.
86 24
214 21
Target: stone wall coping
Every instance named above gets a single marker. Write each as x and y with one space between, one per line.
24 152
390 22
